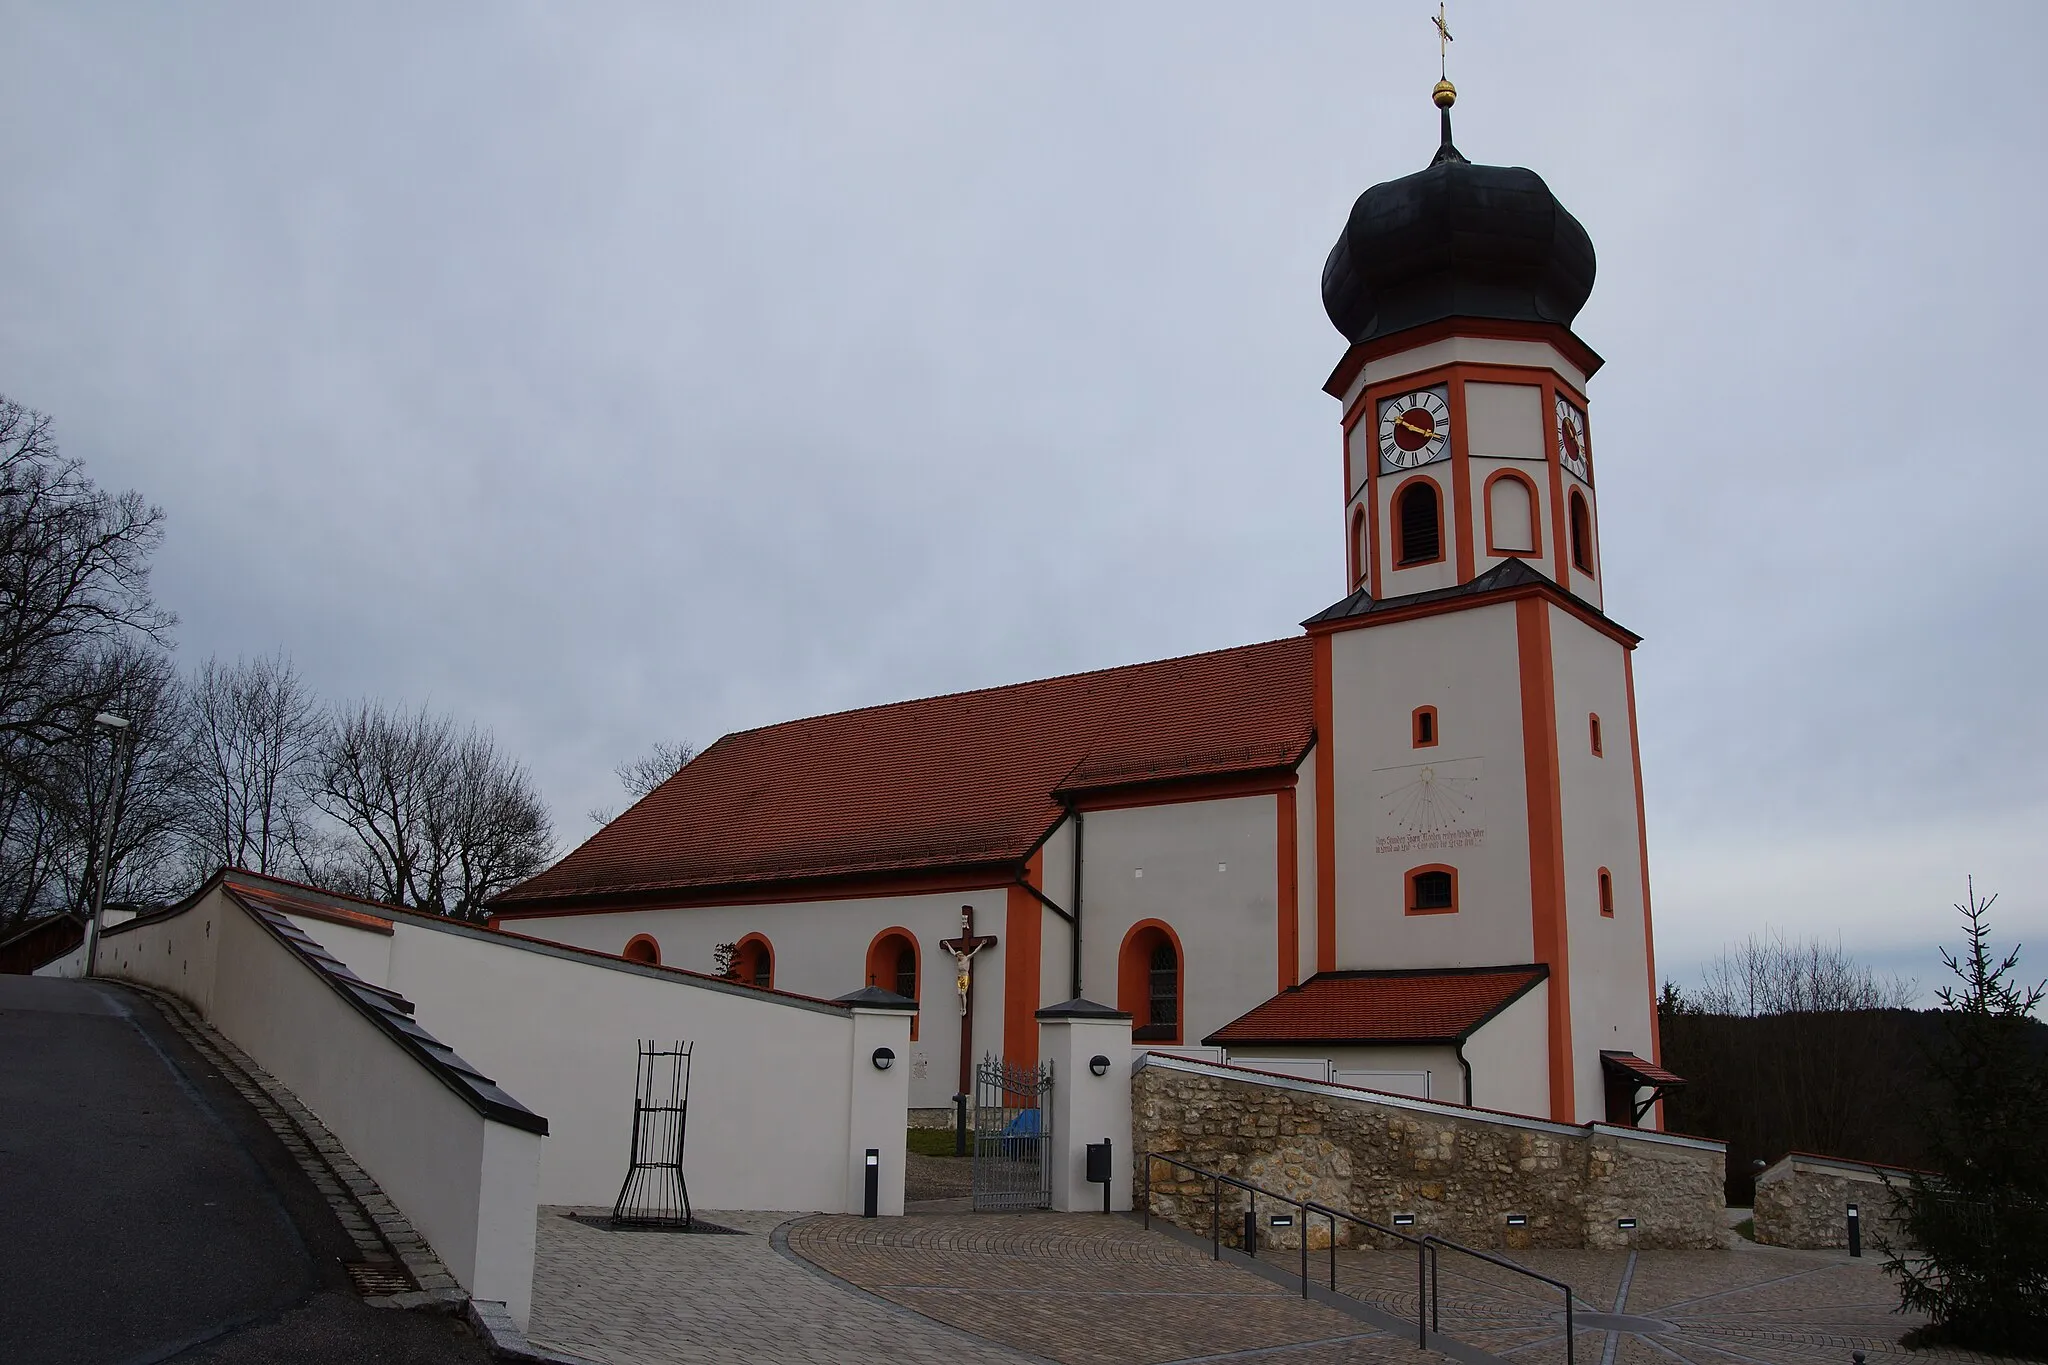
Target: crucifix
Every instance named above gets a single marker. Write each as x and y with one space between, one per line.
963 950
1443 42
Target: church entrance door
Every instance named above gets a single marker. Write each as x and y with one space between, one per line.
1010 1135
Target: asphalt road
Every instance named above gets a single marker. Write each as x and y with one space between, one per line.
147 1214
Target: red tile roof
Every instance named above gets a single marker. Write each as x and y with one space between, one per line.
1435 1005
966 780
1649 1073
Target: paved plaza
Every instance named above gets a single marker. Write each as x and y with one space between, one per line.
1085 1289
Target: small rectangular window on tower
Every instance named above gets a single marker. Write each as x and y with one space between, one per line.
1594 718
1424 735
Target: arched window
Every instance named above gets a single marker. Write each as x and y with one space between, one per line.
1606 893
1361 550
753 961
1419 521
893 965
1511 525
1593 717
642 948
1432 890
1423 727
1150 984
1582 533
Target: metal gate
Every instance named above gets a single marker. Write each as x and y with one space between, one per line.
1010 1170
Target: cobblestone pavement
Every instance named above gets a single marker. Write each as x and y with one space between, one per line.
1748 1304
656 1298
1083 1289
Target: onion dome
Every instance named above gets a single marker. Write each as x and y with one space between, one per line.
1456 240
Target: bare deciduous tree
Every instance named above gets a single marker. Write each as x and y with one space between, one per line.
429 818
1777 975
641 775
74 581
53 811
1790 1045
255 738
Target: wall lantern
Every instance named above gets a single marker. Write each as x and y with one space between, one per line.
1518 1220
1404 1220
1099 1064
1625 1224
884 1058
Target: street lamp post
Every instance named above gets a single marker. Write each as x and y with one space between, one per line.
105 861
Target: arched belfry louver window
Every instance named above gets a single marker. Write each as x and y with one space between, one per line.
1418 518
1582 533
1511 515
1361 550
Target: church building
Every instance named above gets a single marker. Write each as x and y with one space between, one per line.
1401 849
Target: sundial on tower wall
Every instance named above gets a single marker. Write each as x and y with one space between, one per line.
1432 805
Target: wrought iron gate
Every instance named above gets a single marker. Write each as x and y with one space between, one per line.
655 1195
1010 1170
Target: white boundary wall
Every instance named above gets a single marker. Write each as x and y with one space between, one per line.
464 1180
783 1094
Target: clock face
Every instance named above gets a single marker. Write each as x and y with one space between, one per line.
1415 430
1571 440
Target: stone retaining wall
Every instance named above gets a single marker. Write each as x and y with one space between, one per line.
1803 1201
1460 1171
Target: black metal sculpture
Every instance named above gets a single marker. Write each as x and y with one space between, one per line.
655 1194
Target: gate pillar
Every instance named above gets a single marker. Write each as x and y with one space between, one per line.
879 1102
1087 1107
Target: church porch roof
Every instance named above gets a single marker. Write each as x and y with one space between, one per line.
1368 1008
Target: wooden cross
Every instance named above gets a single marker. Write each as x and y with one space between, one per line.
963 950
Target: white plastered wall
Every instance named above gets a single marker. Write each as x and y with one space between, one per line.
1386 1067
1465 664
1472 350
1510 1057
821 950
1610 985
1227 921
769 1086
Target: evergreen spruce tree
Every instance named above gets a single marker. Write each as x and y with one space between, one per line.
1977 1227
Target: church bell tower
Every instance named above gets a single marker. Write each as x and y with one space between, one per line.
1478 792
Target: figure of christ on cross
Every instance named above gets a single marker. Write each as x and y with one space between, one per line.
963 950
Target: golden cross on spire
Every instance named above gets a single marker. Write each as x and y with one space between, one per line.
1443 42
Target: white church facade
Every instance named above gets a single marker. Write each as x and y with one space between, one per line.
1403 848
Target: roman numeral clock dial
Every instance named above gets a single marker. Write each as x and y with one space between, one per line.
1415 430
1571 440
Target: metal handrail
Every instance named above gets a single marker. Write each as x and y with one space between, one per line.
1425 1255
1427 1307
1506 1264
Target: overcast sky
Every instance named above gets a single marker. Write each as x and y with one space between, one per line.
606 373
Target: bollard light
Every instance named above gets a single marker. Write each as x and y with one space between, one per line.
1099 1064
871 1202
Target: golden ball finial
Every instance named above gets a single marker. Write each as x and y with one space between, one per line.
1445 94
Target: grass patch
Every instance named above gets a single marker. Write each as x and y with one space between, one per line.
931 1141
1747 1228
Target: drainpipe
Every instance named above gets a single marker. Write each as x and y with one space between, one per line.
1465 1066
